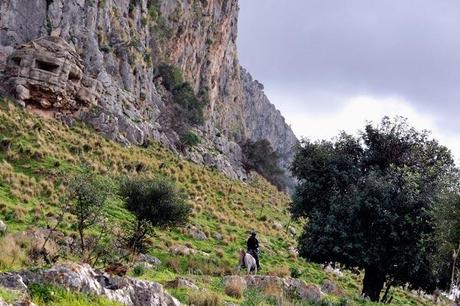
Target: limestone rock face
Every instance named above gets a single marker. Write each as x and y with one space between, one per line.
83 278
203 44
105 56
263 121
49 72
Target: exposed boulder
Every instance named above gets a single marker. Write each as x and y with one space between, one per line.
334 271
3 228
12 281
217 236
307 292
277 225
83 278
186 251
196 233
292 230
330 287
293 251
148 259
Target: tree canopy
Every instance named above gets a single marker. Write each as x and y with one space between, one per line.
260 157
154 203
447 235
367 200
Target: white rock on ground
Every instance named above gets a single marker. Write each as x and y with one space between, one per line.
2 228
148 259
307 292
83 278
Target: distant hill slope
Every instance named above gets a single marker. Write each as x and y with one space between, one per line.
35 154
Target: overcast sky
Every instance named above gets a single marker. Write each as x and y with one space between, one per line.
330 65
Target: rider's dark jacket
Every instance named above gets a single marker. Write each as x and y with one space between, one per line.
253 243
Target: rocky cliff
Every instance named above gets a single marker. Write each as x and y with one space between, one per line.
263 121
116 47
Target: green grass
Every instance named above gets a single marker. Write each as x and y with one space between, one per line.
43 152
49 295
8 296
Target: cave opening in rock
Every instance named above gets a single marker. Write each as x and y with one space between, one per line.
46 66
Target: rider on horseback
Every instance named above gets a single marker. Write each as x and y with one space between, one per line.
253 247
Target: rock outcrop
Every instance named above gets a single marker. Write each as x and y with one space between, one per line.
83 278
49 72
263 121
288 286
105 56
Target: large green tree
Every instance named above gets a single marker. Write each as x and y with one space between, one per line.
447 237
367 200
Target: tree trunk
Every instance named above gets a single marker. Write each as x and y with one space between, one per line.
82 239
374 278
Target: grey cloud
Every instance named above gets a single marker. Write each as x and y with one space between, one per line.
409 48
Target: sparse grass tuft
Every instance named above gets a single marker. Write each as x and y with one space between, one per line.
234 288
204 298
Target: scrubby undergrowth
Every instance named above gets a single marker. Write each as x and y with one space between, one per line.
36 154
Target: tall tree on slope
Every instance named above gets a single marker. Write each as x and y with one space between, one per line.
367 201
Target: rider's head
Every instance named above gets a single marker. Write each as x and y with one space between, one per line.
253 233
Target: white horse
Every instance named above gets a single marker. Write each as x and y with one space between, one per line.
248 261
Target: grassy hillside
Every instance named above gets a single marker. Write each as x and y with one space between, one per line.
36 154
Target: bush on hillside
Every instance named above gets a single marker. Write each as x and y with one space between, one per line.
189 109
87 198
172 76
260 157
154 203
190 139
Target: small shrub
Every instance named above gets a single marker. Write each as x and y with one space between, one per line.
262 218
234 288
190 139
43 293
253 297
171 75
154 203
204 298
13 253
295 272
173 264
189 108
39 250
282 271
139 270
